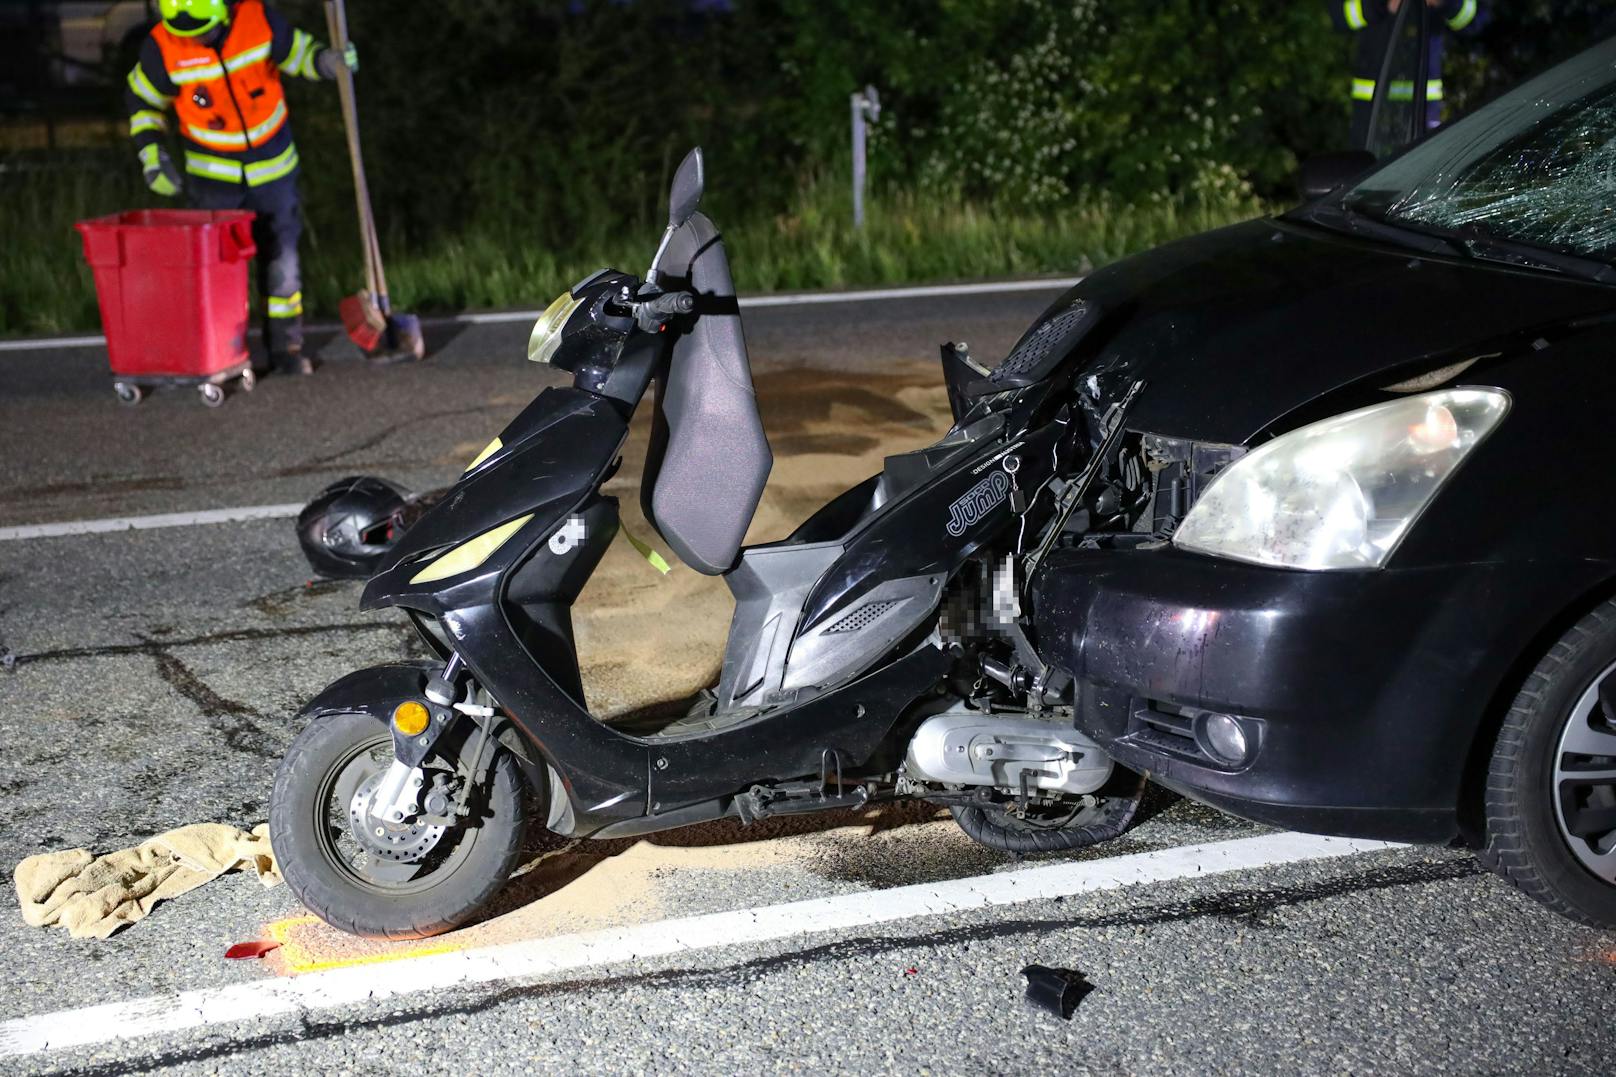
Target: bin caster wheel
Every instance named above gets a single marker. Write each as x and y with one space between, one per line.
212 395
129 395
248 381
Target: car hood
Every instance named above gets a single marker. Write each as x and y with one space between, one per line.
1234 329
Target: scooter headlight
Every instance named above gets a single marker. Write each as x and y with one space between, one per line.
1341 493
546 336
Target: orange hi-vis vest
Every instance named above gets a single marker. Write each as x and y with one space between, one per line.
230 98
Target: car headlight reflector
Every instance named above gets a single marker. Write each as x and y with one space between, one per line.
546 336
1341 493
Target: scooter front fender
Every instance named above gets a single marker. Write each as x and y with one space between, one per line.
374 691
378 690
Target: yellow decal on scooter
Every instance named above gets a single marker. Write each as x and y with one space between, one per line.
493 447
471 553
654 559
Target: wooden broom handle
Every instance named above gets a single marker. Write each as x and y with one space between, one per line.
336 21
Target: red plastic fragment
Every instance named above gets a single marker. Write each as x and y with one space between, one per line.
256 948
910 971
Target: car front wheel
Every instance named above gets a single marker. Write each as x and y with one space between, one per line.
1551 786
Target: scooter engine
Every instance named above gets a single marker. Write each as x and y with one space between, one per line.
1009 751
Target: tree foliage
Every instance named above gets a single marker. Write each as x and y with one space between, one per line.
556 116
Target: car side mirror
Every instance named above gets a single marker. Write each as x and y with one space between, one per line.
1324 172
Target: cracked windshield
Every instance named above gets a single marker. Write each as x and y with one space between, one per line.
1538 167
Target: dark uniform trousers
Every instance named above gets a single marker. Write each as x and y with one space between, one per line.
276 228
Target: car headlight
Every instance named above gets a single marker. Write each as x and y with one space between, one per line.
1341 493
546 337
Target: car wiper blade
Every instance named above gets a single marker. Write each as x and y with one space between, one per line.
1343 218
1482 242
1469 241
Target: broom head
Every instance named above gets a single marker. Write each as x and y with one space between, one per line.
362 320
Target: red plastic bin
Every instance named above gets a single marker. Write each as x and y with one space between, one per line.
172 285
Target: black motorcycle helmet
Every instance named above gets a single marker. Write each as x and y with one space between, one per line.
350 526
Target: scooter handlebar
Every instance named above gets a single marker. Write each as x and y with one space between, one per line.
673 303
652 314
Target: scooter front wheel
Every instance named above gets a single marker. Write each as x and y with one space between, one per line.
396 881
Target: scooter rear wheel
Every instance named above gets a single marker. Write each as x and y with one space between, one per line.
1108 814
403 881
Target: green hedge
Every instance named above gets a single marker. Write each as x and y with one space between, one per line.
558 122
508 142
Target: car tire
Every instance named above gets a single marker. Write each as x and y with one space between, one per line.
1540 795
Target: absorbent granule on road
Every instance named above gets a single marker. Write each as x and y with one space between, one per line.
579 887
645 638
588 885
94 896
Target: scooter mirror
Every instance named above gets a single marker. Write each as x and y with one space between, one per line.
683 198
685 194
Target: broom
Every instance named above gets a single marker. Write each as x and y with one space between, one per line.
367 317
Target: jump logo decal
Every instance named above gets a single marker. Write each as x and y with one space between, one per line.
978 501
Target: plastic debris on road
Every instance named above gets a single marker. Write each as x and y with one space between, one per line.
1056 990
243 951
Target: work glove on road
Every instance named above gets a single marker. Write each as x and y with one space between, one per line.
158 170
330 61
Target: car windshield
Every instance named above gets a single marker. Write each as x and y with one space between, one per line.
1537 167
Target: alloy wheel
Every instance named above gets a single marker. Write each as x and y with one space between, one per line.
1585 778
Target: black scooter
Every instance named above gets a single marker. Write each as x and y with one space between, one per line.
879 652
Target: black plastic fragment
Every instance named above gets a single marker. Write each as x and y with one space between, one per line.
1056 990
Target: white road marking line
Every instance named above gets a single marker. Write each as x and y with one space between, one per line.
146 523
39 344
809 299
167 1014
926 291
790 299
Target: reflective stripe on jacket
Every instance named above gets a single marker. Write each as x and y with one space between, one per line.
1401 90
233 170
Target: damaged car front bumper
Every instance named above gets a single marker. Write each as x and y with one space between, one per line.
1337 702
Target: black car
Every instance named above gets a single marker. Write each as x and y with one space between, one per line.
1355 568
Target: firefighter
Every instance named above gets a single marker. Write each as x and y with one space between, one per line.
218 64
1372 21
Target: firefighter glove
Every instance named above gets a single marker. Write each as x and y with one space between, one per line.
330 61
157 168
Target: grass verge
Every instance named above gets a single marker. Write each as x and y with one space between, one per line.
46 288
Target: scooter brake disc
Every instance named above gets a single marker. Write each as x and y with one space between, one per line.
404 842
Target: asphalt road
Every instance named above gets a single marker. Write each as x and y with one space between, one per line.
155 673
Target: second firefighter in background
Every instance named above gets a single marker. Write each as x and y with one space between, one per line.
1372 22
217 66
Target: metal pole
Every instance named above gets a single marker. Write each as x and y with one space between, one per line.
857 100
